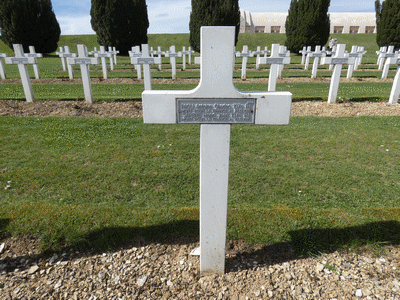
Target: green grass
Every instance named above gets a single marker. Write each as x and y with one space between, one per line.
321 183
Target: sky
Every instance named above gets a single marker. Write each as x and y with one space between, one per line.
172 16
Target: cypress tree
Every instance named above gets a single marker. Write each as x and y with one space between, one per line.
120 23
212 13
388 23
307 24
30 23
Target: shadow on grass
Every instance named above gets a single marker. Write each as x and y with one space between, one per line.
3 225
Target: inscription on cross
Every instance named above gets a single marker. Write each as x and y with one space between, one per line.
21 60
215 104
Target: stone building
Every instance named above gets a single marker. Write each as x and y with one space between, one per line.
275 22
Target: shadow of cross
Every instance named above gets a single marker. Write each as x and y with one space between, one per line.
215 104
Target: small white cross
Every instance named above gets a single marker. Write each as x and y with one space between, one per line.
60 54
337 61
67 53
32 53
317 54
84 61
390 59
184 53
354 54
21 60
146 60
159 53
103 54
257 53
275 60
172 58
244 55
361 52
307 57
136 53
114 53
215 104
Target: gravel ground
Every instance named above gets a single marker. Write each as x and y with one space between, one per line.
167 271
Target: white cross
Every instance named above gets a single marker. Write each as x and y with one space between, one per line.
317 54
68 54
146 60
389 60
21 60
136 53
84 61
361 52
257 53
172 58
283 52
275 60
383 55
184 53
2 73
215 104
190 55
395 92
159 53
306 56
354 54
338 60
380 53
32 53
114 53
244 55
60 54
103 54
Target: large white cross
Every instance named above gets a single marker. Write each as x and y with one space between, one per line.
337 60
275 60
215 104
84 62
21 60
2 73
146 60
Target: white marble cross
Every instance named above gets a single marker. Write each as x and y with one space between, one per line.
146 60
114 53
21 60
60 54
303 53
32 53
84 62
354 54
136 53
307 57
361 52
184 53
67 53
383 55
2 72
215 104
395 92
244 55
159 53
257 53
103 54
172 58
275 60
317 54
390 60
337 61
190 55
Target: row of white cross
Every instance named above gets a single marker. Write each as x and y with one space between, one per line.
278 58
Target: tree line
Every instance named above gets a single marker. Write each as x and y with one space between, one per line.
124 23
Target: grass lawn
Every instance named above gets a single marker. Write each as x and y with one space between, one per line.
321 183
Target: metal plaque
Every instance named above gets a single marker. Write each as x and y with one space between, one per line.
145 61
19 60
274 61
82 61
216 111
339 61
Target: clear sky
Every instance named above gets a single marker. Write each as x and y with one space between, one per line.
172 16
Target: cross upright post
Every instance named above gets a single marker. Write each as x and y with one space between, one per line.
21 60
307 58
190 55
146 60
184 53
215 104
337 61
275 60
84 62
2 72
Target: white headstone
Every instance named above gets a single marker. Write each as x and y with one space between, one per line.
275 60
257 53
172 58
21 60
337 61
2 72
146 60
354 54
244 55
84 61
395 92
184 53
361 52
215 103
390 60
32 53
159 53
307 57
317 54
67 53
